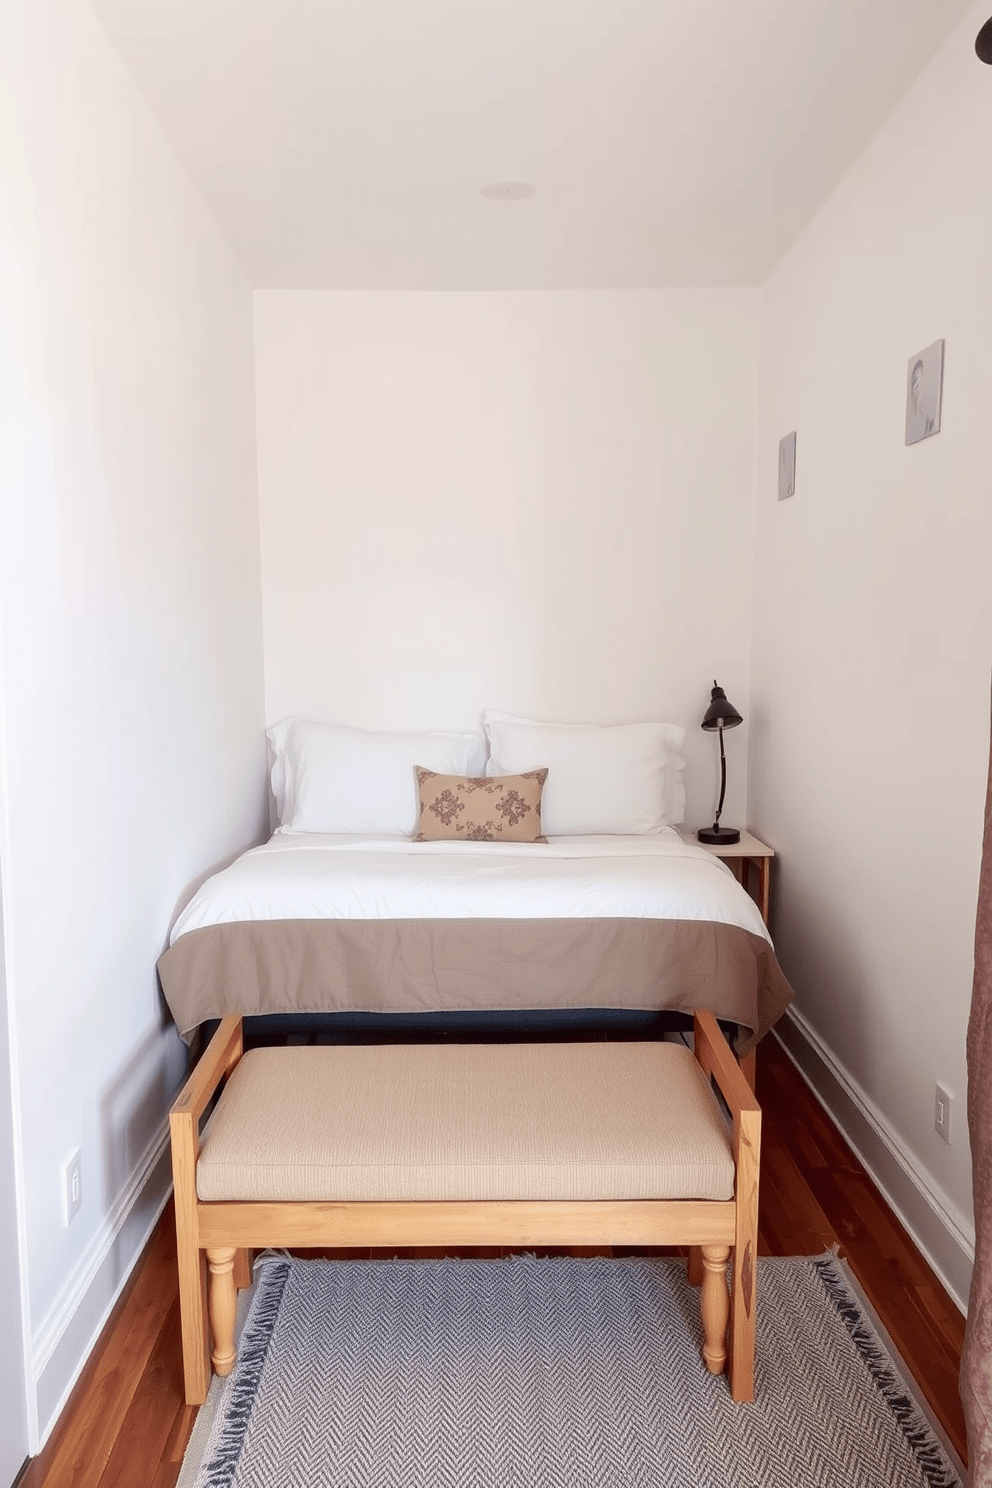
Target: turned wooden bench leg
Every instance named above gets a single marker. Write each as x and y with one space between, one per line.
223 1305
714 1304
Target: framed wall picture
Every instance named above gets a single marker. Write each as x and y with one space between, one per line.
924 389
787 466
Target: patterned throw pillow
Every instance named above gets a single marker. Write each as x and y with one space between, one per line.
467 808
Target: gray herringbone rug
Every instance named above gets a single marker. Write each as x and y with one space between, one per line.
556 1373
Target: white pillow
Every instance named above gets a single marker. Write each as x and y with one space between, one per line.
327 778
619 779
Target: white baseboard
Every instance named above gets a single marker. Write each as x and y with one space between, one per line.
940 1231
65 1338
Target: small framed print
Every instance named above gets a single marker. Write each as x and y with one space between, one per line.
787 466
924 389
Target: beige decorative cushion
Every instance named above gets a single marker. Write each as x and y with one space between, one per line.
469 1121
470 808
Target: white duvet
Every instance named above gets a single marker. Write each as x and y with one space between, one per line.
314 877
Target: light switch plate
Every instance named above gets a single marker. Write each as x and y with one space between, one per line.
787 466
942 1104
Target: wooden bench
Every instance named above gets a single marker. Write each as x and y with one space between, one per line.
439 1145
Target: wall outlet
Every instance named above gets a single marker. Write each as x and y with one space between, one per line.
942 1103
72 1186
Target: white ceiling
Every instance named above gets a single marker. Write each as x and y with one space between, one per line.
342 143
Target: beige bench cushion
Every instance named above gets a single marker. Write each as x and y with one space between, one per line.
468 1121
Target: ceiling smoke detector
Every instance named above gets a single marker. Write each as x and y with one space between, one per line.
507 190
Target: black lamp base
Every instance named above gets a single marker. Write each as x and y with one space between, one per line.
725 836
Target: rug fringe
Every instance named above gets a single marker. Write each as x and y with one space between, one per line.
254 1346
938 1472
267 1258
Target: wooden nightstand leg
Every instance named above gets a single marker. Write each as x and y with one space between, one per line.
764 881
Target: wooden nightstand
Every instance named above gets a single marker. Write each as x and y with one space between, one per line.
740 858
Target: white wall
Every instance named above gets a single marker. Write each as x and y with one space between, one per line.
535 501
130 615
873 622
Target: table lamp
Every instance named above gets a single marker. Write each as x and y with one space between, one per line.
720 715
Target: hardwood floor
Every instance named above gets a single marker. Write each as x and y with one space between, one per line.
126 1423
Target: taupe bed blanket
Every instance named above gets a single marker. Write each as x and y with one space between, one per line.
392 966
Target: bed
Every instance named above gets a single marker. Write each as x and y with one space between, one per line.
584 902
318 924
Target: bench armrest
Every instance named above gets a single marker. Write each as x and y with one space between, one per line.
219 1058
713 1053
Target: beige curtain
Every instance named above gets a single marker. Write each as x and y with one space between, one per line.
976 1363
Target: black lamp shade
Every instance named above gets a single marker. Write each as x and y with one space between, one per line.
983 42
720 714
